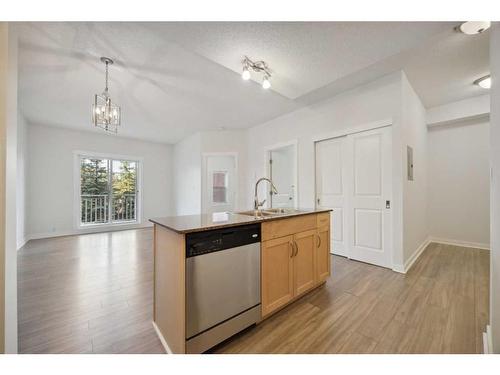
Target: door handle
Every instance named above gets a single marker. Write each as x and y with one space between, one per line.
319 240
296 248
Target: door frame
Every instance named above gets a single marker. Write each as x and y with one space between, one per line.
294 143
204 157
353 130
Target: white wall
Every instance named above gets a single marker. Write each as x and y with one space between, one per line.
229 141
459 183
495 187
8 174
377 101
475 108
188 155
22 135
373 102
414 134
50 178
187 176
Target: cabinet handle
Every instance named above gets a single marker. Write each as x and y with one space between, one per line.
296 248
292 250
319 240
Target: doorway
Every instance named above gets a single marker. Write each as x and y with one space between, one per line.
354 179
282 170
219 183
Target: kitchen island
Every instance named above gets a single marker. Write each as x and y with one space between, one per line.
216 275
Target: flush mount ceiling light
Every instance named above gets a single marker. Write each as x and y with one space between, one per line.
106 115
474 27
258 67
484 82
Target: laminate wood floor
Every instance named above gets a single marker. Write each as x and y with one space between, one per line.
93 294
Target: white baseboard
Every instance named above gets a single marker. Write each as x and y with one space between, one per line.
74 232
416 254
162 339
487 341
404 268
446 241
21 242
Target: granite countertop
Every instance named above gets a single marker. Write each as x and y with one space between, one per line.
198 223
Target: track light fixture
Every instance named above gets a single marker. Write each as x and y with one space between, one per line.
257 67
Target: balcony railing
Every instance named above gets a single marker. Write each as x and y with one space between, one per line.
95 209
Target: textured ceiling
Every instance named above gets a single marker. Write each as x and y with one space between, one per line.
304 55
444 72
175 78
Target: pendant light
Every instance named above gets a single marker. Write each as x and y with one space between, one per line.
105 114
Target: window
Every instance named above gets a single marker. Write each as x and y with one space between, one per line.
219 187
108 191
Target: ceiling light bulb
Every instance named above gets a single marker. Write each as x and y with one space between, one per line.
484 82
246 74
265 83
474 27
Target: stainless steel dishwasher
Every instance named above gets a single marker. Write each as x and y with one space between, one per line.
222 284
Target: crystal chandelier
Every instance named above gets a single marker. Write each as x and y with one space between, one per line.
106 115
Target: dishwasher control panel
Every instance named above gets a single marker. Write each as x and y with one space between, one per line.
200 243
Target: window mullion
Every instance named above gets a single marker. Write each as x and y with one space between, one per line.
110 190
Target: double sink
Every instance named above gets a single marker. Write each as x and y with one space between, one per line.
270 212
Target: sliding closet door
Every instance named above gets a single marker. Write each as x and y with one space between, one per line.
369 179
330 190
354 177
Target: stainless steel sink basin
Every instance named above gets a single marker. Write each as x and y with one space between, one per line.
270 212
255 213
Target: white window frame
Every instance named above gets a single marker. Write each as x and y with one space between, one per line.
77 156
226 182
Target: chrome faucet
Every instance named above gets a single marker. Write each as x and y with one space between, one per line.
258 204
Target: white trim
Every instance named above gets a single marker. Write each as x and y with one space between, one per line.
355 129
21 242
487 341
416 254
99 229
475 245
411 260
162 339
295 144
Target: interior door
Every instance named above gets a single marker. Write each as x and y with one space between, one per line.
330 189
282 173
219 186
369 178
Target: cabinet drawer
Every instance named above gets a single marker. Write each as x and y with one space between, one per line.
323 219
284 227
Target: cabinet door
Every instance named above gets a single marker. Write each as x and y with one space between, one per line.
304 261
277 273
323 254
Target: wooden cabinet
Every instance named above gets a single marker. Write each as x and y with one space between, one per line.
304 261
323 254
277 273
295 263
